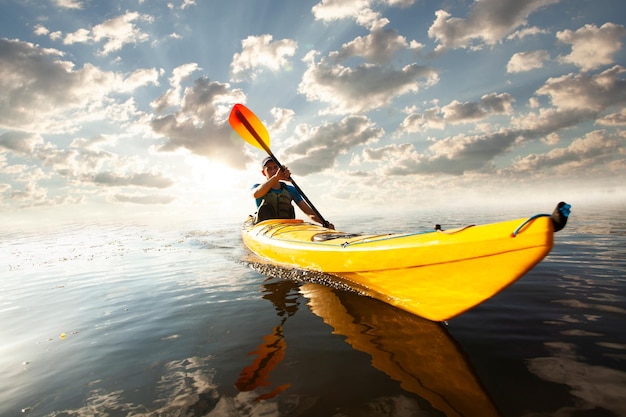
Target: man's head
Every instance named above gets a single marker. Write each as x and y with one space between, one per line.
265 161
269 167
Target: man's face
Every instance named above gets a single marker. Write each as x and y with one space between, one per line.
270 169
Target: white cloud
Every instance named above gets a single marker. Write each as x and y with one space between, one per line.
83 164
360 89
40 30
172 97
593 47
65 99
497 103
488 21
428 119
139 78
94 143
461 153
526 61
457 112
69 4
576 98
329 10
400 3
370 85
200 125
139 179
33 77
614 119
318 147
339 9
551 139
187 3
183 71
361 11
56 35
32 195
593 150
116 33
19 142
282 118
79 36
379 47
592 93
259 52
393 152
549 120
527 32
137 198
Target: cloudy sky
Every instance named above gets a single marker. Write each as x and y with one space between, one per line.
120 108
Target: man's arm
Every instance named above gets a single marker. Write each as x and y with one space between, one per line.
263 188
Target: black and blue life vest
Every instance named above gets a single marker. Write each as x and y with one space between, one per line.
276 205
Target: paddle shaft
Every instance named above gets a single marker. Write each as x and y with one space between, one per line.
245 122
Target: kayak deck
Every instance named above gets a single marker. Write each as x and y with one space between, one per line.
295 243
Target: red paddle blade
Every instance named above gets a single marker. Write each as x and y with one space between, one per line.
249 127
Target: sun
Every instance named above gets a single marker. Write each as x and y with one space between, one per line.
210 185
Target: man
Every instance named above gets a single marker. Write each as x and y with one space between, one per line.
274 196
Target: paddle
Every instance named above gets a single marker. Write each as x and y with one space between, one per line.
252 130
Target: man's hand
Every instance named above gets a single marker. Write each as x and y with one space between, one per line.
283 174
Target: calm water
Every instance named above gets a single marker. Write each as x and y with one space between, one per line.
119 320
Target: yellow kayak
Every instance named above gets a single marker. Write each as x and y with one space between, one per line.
436 275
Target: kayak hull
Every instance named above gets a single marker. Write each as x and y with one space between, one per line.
436 275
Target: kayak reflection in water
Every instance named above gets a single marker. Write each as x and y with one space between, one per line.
284 296
416 352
